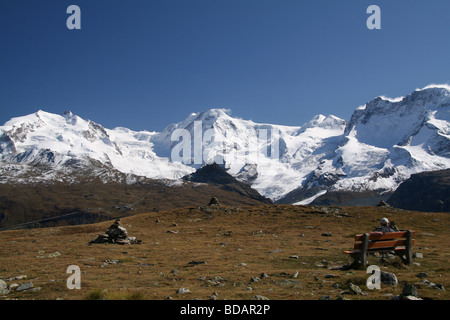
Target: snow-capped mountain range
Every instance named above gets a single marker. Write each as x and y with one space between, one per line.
385 141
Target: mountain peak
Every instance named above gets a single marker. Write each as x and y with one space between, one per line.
212 114
324 122
439 87
68 114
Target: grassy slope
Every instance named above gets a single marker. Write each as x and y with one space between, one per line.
24 203
262 237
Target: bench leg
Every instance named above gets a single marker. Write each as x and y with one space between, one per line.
364 248
408 247
361 257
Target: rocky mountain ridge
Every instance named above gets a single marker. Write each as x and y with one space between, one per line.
383 144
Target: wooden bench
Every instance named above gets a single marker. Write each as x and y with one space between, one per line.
400 242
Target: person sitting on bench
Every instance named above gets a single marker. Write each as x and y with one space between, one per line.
385 226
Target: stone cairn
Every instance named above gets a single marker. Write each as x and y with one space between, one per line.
214 201
116 234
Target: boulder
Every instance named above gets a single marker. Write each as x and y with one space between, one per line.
25 286
4 290
388 278
357 290
183 291
409 290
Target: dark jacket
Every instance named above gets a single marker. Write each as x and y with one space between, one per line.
384 229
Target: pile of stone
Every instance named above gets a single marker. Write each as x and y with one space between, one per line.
214 201
116 234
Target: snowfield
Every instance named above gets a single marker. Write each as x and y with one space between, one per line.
385 141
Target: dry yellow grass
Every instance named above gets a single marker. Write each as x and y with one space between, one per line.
237 243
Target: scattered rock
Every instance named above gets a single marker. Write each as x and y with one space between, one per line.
145 264
402 297
433 285
290 283
4 290
214 296
13 286
49 255
258 297
24 286
439 286
357 290
417 255
327 234
276 251
295 275
216 281
388 278
20 277
108 261
183 291
294 257
197 262
411 298
422 275
409 290
383 204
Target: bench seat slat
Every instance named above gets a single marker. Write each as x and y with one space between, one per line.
383 244
378 250
386 236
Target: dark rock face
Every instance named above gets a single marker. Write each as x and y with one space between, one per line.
211 173
426 191
216 175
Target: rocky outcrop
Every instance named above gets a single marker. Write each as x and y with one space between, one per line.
426 191
216 175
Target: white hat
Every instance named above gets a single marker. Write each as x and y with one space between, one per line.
384 221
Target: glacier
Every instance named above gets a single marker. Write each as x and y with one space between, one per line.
383 144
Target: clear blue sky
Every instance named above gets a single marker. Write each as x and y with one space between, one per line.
144 64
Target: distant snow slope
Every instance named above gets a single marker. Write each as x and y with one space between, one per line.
385 141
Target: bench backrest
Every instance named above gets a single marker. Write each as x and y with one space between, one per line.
378 241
